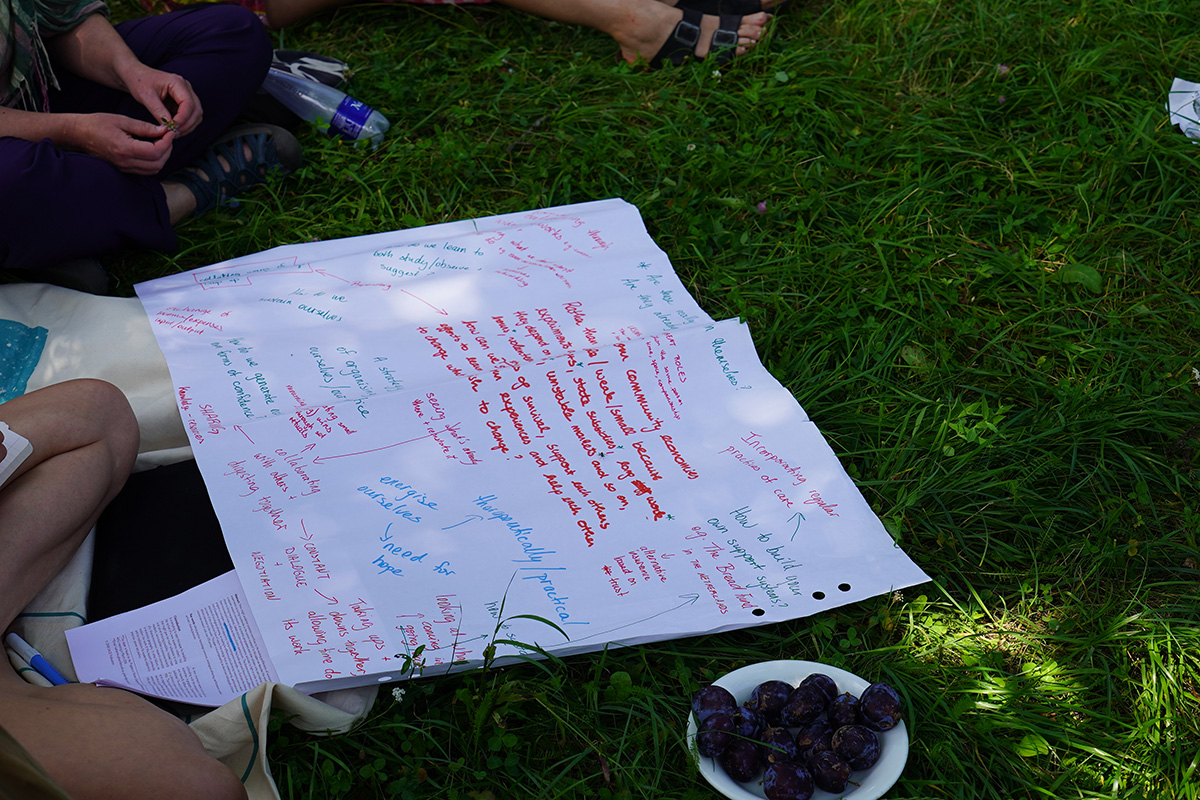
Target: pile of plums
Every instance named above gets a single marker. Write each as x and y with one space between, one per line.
800 737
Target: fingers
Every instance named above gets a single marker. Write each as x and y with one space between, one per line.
170 97
188 115
140 129
145 148
188 112
130 145
158 111
149 157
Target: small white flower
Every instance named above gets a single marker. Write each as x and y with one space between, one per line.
1196 375
398 693
691 147
716 73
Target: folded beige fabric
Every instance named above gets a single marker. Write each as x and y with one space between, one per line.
236 733
108 338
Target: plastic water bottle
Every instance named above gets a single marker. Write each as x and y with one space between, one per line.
330 109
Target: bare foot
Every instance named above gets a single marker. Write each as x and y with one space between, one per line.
653 24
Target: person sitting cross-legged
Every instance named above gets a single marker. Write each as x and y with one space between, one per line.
111 135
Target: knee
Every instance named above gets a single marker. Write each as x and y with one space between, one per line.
121 425
240 29
109 417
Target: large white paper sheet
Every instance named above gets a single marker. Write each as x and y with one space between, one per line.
581 445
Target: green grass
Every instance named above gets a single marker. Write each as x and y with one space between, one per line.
981 284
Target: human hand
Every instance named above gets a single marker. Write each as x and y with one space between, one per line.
168 97
3 449
130 145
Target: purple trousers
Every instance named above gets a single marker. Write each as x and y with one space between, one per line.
57 205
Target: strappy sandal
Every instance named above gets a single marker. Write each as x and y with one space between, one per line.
224 171
681 44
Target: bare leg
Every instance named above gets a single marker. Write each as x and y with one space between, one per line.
180 201
641 27
85 439
766 5
95 743
281 13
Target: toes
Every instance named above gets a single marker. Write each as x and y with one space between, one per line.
752 25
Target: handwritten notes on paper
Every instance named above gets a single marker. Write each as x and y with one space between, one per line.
417 440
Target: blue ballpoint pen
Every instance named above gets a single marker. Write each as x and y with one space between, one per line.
35 659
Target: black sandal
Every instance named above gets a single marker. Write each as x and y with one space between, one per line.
681 44
215 183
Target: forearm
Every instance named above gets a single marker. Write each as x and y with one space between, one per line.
62 129
95 51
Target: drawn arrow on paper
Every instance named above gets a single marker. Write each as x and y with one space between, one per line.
792 517
240 430
441 311
689 599
327 274
448 429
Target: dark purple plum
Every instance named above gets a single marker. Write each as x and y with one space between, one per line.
815 736
804 705
714 734
879 707
748 723
787 781
741 760
829 772
857 744
778 745
768 699
843 710
823 682
711 700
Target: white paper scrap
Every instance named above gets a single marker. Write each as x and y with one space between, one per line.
1183 104
200 647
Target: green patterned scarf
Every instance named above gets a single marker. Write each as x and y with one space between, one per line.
25 73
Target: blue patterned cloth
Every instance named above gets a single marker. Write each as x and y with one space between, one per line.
20 350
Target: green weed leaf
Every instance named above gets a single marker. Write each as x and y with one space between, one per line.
1082 274
1032 744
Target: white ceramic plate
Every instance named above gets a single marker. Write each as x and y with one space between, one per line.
893 744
